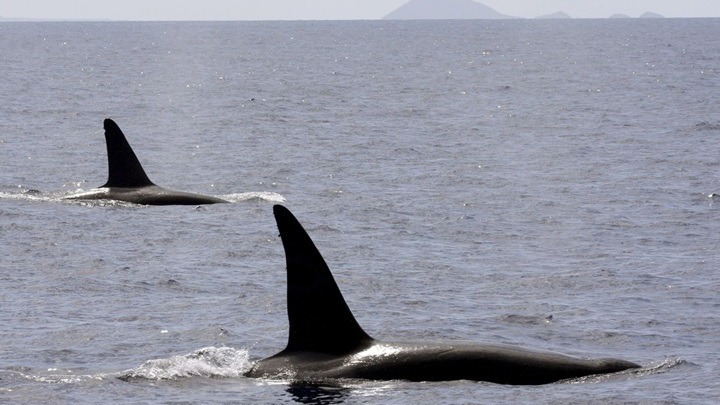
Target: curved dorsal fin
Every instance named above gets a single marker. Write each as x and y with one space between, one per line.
320 320
124 168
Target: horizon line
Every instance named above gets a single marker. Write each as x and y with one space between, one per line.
543 17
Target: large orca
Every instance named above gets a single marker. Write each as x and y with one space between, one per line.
128 182
327 343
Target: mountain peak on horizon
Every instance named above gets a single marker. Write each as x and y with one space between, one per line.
650 14
444 10
558 15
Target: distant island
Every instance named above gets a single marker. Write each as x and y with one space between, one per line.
468 10
651 15
445 10
559 14
563 15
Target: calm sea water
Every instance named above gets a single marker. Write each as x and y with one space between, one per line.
540 183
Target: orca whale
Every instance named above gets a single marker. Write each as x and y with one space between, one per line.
128 182
327 343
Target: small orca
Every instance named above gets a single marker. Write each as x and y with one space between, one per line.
128 182
326 342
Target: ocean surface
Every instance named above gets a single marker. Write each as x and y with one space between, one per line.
548 184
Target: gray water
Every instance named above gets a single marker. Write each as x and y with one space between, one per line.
546 184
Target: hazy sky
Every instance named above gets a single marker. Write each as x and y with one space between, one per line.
328 9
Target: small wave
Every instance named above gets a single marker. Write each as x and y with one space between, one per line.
53 197
51 376
208 362
62 197
659 367
32 195
654 368
707 126
255 195
527 319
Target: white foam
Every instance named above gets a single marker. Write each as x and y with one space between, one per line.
206 362
254 195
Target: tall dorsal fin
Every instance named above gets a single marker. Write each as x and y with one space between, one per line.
124 168
320 320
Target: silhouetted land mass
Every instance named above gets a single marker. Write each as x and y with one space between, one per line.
468 10
423 10
559 14
651 15
444 10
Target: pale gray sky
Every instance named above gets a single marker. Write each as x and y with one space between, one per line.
328 9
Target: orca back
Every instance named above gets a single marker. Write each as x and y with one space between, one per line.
320 320
124 168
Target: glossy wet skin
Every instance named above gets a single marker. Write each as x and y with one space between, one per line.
148 195
441 362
